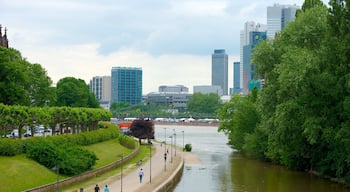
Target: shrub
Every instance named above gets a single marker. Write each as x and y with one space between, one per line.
127 142
188 147
10 147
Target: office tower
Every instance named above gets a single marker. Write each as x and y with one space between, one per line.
101 87
248 69
236 77
126 85
219 69
246 40
278 17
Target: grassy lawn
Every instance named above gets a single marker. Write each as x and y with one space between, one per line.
114 173
19 173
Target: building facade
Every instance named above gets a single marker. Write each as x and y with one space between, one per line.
236 77
278 17
175 88
101 87
219 70
245 40
126 85
248 68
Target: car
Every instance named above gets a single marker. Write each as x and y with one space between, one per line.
13 134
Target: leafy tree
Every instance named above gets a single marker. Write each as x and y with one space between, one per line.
204 103
74 92
142 129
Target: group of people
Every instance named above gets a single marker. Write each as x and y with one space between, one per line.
97 188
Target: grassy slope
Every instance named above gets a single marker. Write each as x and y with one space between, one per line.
19 173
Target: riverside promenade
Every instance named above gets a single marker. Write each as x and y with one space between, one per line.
157 175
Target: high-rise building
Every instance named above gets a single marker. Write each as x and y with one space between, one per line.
219 69
126 85
278 17
236 77
245 55
101 87
248 69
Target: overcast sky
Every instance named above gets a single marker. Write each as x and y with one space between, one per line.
171 40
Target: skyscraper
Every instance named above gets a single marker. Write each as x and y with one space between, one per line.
245 57
248 69
278 17
236 77
126 85
219 69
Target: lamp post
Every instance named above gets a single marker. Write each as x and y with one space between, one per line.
121 173
171 149
183 140
150 162
175 142
165 149
57 172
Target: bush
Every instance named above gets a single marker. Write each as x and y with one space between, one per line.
127 142
70 159
10 147
188 147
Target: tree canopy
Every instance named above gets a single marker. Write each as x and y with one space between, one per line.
302 114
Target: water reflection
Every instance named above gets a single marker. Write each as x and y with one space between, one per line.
223 169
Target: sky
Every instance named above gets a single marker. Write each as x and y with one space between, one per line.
171 40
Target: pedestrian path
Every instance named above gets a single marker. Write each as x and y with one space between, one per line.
156 172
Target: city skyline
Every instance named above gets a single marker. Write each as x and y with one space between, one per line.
171 41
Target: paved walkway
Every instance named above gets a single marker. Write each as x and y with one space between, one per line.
155 173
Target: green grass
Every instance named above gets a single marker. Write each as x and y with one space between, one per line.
114 173
19 173
107 152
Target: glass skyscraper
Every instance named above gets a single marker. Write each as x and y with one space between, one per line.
219 70
236 77
278 17
126 85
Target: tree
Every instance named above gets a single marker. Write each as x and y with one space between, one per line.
75 93
204 103
142 129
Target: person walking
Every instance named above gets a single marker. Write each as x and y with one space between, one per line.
97 188
106 188
141 175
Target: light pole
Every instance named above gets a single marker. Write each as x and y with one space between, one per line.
57 171
171 149
121 173
175 142
183 140
165 155
150 163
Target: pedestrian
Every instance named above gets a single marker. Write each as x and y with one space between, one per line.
97 188
164 156
106 188
167 151
141 175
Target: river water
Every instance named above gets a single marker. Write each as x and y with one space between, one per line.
223 169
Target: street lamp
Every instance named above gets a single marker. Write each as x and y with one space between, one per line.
175 142
183 140
121 173
165 149
150 162
171 149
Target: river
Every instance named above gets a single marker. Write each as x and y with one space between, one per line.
223 169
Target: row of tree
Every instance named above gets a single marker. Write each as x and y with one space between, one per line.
78 119
300 118
23 83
